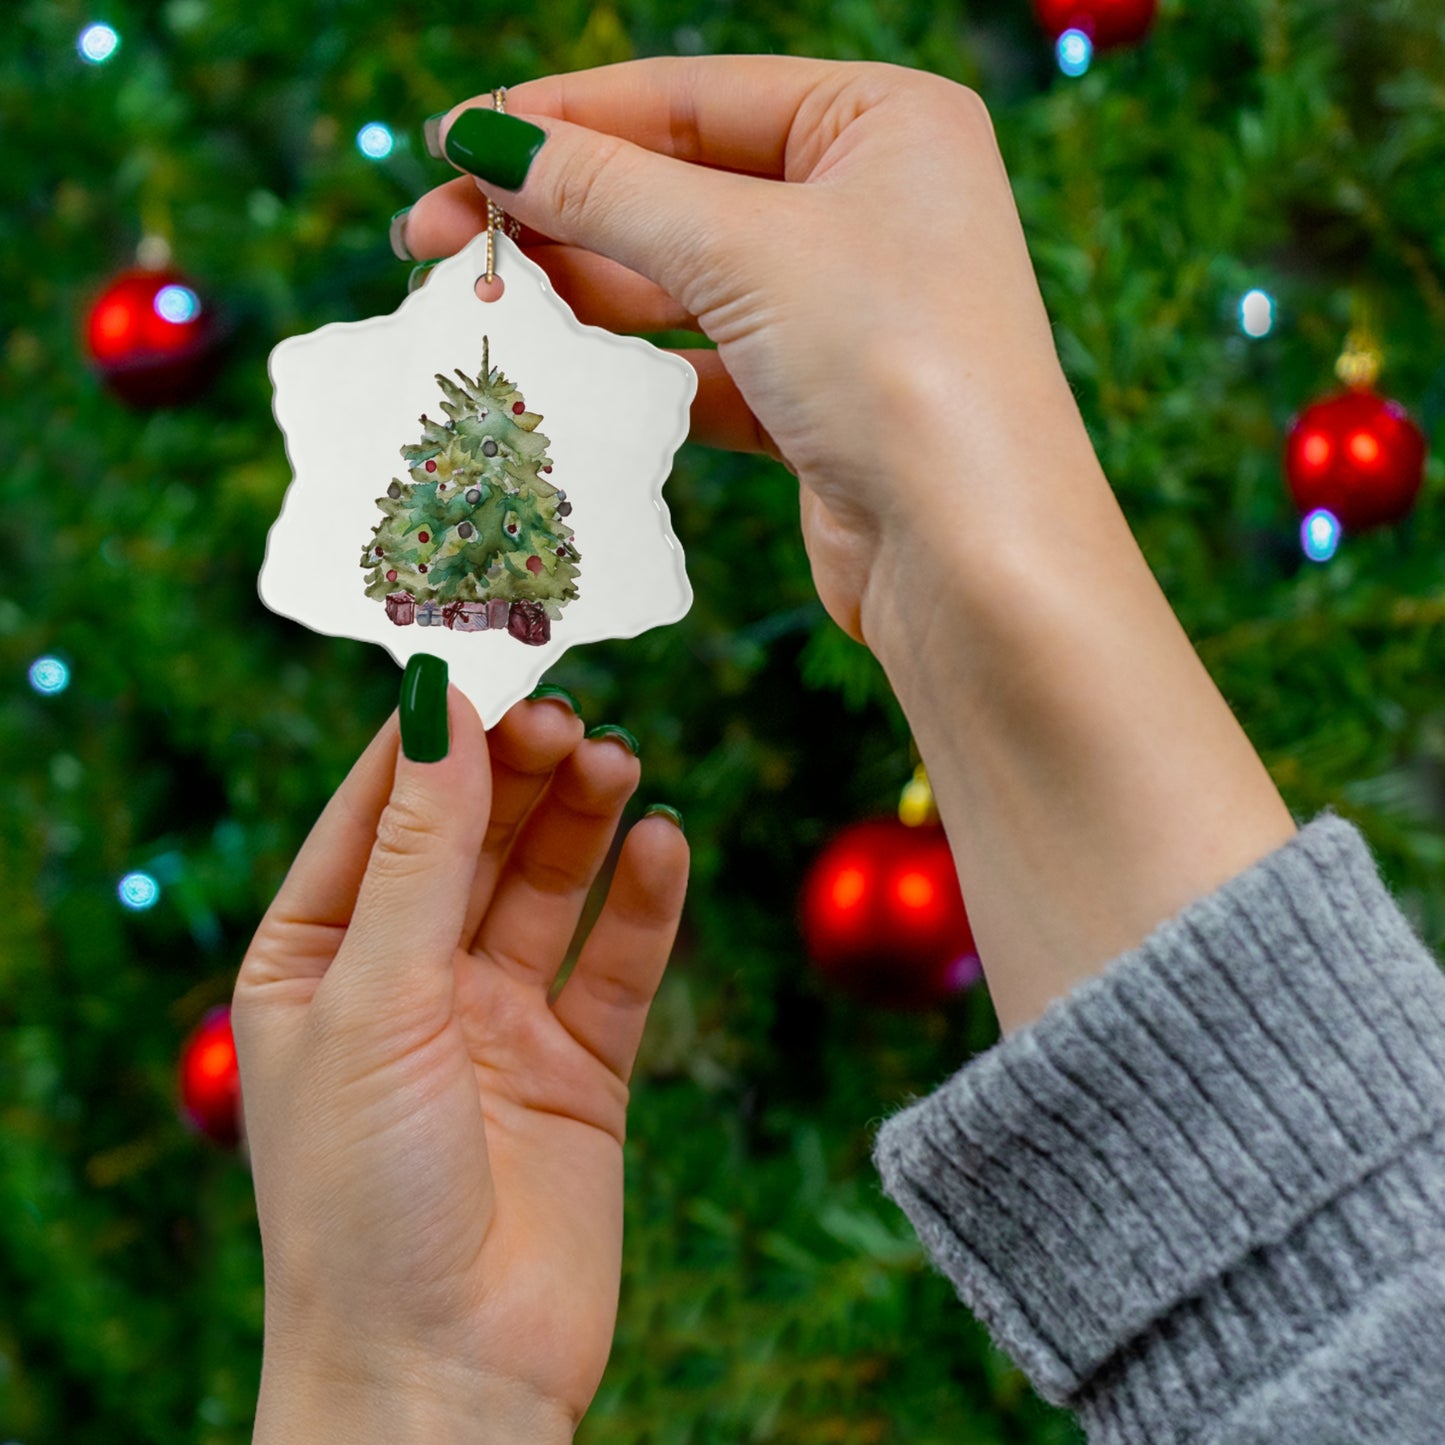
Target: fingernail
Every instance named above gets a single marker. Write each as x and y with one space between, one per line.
397 235
431 133
667 812
424 736
418 275
612 730
550 689
497 147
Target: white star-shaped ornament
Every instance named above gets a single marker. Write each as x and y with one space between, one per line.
580 464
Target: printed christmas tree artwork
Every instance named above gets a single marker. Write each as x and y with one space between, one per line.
476 538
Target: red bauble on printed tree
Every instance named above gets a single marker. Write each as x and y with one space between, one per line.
1358 456
883 917
210 1080
1107 23
152 338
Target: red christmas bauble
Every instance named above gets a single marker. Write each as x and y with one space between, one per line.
210 1080
1107 23
1359 456
152 338
431 466
534 564
391 576
883 918
518 407
423 536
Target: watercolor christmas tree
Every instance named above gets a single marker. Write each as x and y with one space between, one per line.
476 538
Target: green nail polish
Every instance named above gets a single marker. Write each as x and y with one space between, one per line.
397 235
498 148
424 735
667 812
550 689
613 730
431 133
418 275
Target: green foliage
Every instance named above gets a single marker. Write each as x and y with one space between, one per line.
770 1293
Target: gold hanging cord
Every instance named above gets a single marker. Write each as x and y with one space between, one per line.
496 216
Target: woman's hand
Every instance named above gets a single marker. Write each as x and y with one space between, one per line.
847 235
437 1150
882 300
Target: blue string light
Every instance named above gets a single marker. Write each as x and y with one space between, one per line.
1075 52
138 891
1320 535
97 44
49 675
1256 313
375 141
177 304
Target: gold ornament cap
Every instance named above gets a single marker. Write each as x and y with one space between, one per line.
915 804
1360 362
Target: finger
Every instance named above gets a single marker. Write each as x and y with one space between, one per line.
604 293
599 290
443 220
606 998
720 415
525 746
300 932
558 852
740 113
652 213
396 962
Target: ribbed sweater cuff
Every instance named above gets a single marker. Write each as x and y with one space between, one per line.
1205 1112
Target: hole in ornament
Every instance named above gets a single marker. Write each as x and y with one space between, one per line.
489 290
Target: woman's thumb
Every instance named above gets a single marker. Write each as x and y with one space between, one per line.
661 217
413 898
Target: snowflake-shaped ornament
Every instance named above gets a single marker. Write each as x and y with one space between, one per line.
478 480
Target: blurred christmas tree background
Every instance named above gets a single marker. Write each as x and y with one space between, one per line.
184 735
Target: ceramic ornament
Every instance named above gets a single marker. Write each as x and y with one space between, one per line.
478 480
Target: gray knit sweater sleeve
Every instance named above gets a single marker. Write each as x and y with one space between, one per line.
1202 1199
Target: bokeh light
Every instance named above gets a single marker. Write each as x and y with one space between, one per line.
1075 52
1320 535
178 304
914 889
216 1058
849 887
1315 451
97 44
964 971
138 891
1256 313
1364 448
375 140
49 675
